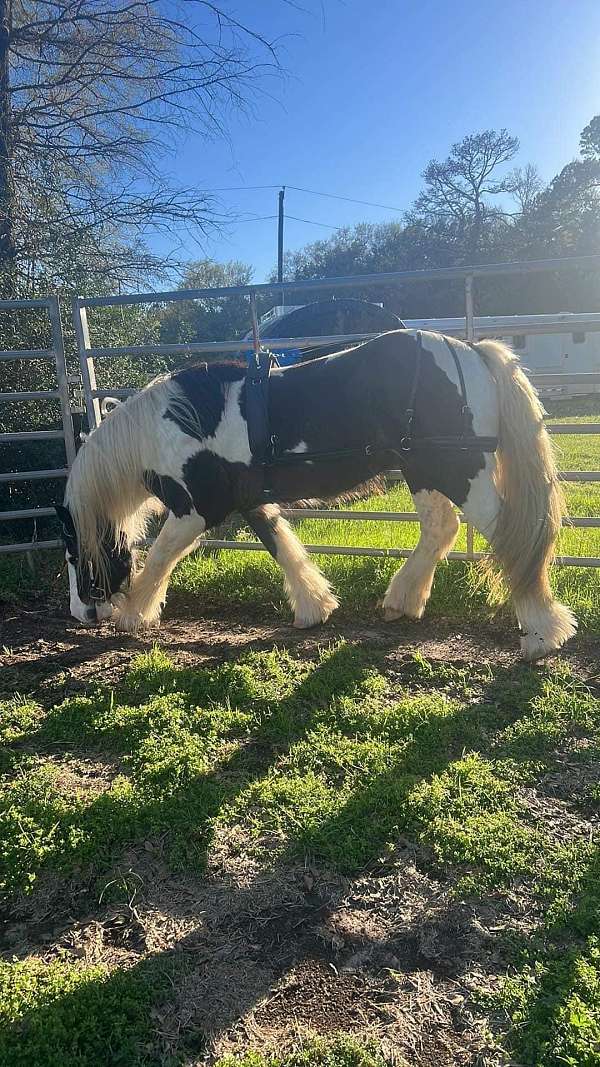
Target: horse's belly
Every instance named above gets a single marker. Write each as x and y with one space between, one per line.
319 479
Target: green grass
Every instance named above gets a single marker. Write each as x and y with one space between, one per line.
54 1015
330 758
340 1052
196 751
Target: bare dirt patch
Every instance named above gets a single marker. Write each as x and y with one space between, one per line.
85 776
46 652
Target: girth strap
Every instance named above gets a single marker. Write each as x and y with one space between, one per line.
257 405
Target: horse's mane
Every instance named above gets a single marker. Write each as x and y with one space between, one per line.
105 491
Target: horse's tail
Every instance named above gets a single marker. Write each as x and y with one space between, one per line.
532 500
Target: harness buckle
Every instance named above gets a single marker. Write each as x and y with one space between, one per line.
466 415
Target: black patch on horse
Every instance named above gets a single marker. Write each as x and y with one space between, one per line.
173 495
439 411
203 387
68 531
351 402
212 484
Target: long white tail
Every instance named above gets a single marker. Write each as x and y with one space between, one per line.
532 504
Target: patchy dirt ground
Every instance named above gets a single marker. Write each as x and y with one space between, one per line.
45 645
260 954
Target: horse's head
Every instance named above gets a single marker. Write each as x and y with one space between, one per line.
90 590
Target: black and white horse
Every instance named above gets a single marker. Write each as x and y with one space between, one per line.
181 445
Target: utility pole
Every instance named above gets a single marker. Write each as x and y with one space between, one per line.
279 241
7 246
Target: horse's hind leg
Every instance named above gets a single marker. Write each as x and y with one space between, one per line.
143 603
409 589
545 624
307 590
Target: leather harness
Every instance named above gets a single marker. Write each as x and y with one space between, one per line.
265 449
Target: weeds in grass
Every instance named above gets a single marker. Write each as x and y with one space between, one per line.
339 1052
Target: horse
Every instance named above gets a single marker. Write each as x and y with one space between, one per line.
181 447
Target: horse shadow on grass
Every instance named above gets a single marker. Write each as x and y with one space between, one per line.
371 818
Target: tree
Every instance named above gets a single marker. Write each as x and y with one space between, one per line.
470 211
589 142
93 94
524 184
457 201
7 246
224 319
565 216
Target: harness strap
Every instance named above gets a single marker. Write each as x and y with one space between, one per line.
466 411
262 444
409 413
450 444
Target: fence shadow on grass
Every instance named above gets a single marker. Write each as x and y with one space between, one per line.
557 1022
373 816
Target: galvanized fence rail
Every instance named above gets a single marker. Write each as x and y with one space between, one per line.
466 327
56 355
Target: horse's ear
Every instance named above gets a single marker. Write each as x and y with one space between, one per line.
66 518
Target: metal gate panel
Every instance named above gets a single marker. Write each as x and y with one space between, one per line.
56 355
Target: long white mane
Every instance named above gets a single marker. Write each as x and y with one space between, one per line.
105 491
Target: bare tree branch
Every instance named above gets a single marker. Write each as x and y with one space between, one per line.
99 92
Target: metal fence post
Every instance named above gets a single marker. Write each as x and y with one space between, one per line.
469 312
61 377
86 362
470 334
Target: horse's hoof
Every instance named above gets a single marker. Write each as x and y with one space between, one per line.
316 614
391 615
129 623
307 624
394 614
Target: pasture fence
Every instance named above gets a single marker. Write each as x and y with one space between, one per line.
55 355
467 327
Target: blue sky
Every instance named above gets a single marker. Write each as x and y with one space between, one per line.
376 88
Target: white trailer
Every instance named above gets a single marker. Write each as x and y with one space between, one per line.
564 343
546 344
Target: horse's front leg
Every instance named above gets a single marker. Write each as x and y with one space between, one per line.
141 606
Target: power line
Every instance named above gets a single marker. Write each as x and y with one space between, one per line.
240 188
259 218
349 199
311 192
311 222
294 218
